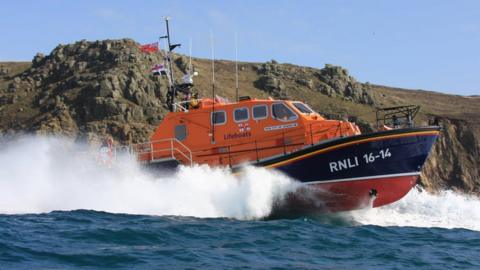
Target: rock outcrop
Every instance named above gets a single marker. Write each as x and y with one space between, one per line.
4 71
455 159
88 89
333 81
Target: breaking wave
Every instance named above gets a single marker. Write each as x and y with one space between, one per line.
40 175
447 209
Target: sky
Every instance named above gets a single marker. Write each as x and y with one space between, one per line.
416 44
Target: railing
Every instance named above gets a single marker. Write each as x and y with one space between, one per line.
159 150
276 144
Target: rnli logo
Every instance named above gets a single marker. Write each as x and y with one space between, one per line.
243 127
271 128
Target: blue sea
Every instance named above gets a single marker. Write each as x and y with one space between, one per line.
98 240
62 210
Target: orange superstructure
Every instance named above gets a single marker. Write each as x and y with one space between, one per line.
227 134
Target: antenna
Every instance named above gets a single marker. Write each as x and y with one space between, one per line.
171 80
236 68
190 59
170 83
213 58
213 86
170 48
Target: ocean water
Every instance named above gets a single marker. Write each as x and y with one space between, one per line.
60 209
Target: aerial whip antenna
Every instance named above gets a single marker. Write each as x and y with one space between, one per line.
190 59
213 86
236 68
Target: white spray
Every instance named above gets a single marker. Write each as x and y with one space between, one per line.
45 174
421 209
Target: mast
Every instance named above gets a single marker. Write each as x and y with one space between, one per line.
172 89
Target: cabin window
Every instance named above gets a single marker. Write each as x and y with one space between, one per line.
281 112
219 117
180 132
259 112
240 114
303 108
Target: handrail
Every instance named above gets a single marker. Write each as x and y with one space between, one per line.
230 154
274 137
176 146
178 150
292 141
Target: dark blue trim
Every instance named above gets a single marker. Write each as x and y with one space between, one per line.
406 154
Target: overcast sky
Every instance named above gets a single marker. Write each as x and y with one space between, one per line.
418 44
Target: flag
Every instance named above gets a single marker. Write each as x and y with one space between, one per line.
159 69
149 48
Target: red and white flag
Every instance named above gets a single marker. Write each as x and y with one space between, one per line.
149 48
159 69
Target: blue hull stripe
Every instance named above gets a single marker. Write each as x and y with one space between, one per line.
382 153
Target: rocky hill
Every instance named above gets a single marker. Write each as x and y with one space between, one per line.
87 90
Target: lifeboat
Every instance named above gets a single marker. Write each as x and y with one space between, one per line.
340 168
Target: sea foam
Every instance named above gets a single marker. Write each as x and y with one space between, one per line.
40 175
418 208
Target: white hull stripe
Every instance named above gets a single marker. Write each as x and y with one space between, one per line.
363 178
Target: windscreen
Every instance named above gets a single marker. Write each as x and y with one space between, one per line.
282 112
302 107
